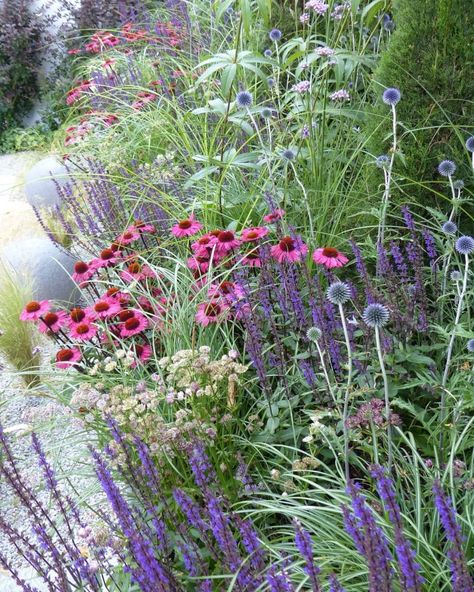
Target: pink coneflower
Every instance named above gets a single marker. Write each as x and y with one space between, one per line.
104 308
229 291
143 227
226 241
274 216
137 271
253 234
186 227
129 236
329 257
117 295
82 272
143 351
106 258
289 250
203 245
252 259
34 310
201 263
210 312
52 322
67 357
77 315
83 331
133 325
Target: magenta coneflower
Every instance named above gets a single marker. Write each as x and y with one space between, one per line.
252 259
143 353
210 312
83 331
225 241
203 245
329 257
106 258
136 271
76 316
52 322
229 291
289 250
133 325
82 272
129 236
104 308
274 216
256 233
186 227
34 310
143 227
67 357
201 263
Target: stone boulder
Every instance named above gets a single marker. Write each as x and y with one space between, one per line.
41 182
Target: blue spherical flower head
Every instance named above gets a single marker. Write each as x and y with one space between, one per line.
271 82
465 245
470 346
391 96
314 333
376 315
458 184
244 99
470 144
288 154
456 276
382 161
449 227
338 293
275 34
389 26
268 53
447 168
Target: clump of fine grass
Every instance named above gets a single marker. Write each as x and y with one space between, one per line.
17 338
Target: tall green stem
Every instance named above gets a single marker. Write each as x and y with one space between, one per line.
386 395
345 412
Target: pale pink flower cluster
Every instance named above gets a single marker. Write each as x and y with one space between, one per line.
339 11
301 87
340 96
318 6
304 18
324 51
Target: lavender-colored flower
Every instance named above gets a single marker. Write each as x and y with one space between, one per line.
470 144
268 53
270 81
447 168
334 585
301 87
458 184
304 545
318 6
449 227
465 245
382 161
391 96
470 346
338 293
340 96
376 315
288 154
275 35
244 99
455 276
389 25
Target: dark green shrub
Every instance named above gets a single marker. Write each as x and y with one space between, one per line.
430 58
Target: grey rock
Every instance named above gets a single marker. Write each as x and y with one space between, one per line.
40 182
46 266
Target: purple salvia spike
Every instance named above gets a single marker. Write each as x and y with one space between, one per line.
304 545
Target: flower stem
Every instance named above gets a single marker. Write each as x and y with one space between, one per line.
347 393
386 395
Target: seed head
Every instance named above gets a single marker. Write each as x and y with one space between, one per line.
376 315
313 334
244 99
465 245
447 168
449 227
338 293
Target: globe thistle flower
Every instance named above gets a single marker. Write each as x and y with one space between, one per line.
270 82
244 99
449 227
456 276
458 185
314 334
268 53
465 245
470 346
288 154
470 144
382 161
266 112
447 168
391 96
376 315
338 293
275 35
389 25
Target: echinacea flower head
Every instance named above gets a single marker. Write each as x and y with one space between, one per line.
382 161
250 235
136 271
470 346
244 99
106 258
338 293
35 310
455 276
329 257
82 272
275 34
104 308
470 144
67 357
83 331
229 291
289 250
252 259
314 334
52 322
226 241
133 325
77 315
446 168
465 245
274 216
449 227
143 353
376 315
128 237
186 227
210 312
391 96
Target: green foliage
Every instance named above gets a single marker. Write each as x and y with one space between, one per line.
428 58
